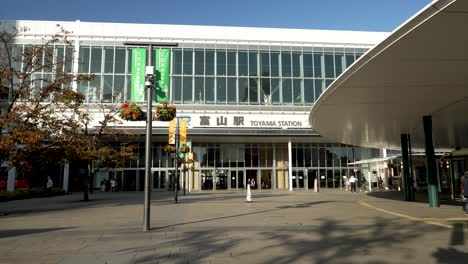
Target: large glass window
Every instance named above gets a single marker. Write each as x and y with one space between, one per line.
275 91
176 61
296 64
209 61
108 59
349 59
188 61
107 88
176 89
69 55
318 62
120 60
119 85
274 57
287 91
264 63
96 59
319 88
297 91
253 91
308 65
221 90
83 67
243 64
199 90
209 90
286 64
339 63
253 63
329 66
265 97
187 93
231 62
308 91
243 90
232 90
199 62
221 62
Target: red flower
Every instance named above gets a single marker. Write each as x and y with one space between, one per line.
164 104
128 112
125 105
135 115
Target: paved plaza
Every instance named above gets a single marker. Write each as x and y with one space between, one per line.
333 226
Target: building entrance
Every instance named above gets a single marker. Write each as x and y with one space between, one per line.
237 180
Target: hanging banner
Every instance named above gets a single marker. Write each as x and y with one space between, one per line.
163 57
183 132
172 125
138 75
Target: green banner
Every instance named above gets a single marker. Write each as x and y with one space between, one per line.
163 57
138 75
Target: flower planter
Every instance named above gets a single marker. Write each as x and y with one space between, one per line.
185 149
169 149
165 112
130 112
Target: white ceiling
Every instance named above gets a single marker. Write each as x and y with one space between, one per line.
420 69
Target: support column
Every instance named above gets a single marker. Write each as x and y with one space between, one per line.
407 187
11 179
290 162
66 175
433 191
273 174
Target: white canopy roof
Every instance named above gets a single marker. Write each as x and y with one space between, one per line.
420 69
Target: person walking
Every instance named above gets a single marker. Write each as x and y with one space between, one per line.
49 186
352 181
113 185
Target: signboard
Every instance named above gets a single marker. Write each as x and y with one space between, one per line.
172 128
183 132
163 57
138 75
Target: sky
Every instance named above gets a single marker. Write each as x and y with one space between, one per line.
362 15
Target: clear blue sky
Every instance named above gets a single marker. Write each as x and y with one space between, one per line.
367 15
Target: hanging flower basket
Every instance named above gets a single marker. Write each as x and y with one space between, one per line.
185 149
130 112
169 148
165 112
189 161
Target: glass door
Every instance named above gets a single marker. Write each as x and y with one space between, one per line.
221 179
207 179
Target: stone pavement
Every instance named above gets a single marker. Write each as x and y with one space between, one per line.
332 226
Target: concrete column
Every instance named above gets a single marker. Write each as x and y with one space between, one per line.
290 162
189 178
369 173
306 179
273 174
433 191
66 176
11 179
407 186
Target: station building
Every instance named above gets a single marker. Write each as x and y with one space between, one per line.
246 94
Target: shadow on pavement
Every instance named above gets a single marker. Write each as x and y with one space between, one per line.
330 241
23 232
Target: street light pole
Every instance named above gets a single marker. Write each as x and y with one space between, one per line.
149 84
149 133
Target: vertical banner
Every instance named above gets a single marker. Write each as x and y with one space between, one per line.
172 128
163 57
138 75
183 131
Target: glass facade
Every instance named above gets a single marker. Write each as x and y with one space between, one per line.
262 76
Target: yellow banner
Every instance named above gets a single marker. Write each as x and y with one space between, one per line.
183 132
172 125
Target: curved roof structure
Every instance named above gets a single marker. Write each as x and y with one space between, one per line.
420 69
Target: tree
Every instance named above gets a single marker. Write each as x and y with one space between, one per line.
40 112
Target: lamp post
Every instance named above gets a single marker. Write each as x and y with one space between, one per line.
149 84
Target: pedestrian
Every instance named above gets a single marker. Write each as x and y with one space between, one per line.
352 181
49 186
103 185
252 183
113 185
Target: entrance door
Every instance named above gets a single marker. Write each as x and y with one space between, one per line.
251 176
311 176
159 180
207 180
221 179
237 179
265 179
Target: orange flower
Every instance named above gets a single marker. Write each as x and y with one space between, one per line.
128 112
